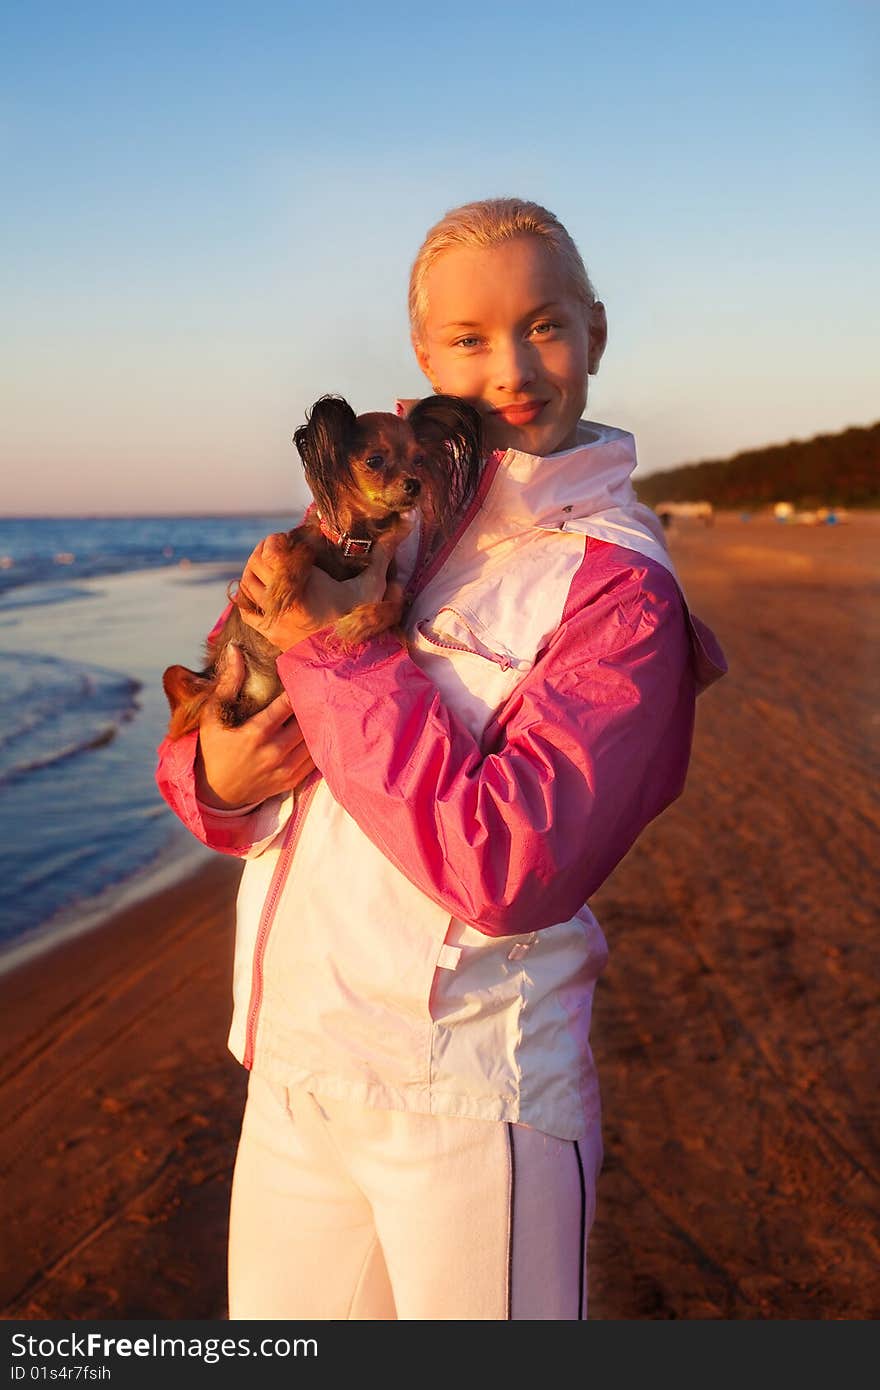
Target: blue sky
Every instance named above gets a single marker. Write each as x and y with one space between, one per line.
211 210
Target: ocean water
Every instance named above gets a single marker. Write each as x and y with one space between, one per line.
52 553
91 612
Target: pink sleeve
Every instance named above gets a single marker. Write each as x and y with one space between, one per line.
245 832
514 833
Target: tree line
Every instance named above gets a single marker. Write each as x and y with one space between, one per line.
831 470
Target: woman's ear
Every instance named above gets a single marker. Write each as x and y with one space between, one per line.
597 325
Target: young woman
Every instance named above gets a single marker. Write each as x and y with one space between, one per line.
415 959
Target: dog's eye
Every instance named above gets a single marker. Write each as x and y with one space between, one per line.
419 461
375 461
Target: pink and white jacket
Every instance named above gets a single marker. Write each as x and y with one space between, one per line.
412 925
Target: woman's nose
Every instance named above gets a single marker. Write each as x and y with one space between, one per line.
514 366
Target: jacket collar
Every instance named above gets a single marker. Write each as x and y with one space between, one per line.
550 491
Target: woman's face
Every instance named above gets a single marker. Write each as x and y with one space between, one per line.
504 330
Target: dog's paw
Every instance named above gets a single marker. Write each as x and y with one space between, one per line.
366 621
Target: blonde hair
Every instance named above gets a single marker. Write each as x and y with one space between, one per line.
485 224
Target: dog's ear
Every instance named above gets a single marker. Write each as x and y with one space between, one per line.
325 442
188 692
451 431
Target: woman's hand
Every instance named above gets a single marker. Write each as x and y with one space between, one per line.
324 601
262 757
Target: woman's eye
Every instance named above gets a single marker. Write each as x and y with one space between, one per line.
466 342
375 461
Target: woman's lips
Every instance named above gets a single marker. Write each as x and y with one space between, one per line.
522 414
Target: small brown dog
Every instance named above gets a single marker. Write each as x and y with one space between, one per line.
365 472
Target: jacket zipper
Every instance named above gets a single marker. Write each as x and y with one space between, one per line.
503 661
268 914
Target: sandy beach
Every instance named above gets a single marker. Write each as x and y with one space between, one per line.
736 1028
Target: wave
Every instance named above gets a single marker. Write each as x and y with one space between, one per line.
52 710
40 595
58 755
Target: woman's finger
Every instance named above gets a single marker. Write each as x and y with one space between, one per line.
252 615
267 558
290 740
256 576
248 606
274 716
290 772
298 767
262 564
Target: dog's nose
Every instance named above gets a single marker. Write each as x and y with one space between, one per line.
412 487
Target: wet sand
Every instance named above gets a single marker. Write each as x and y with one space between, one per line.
121 1108
736 1028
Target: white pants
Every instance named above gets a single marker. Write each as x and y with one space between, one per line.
342 1211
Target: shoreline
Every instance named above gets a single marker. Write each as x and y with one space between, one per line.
183 858
83 835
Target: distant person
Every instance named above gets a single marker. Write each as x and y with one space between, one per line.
415 960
